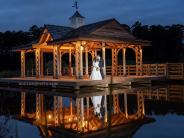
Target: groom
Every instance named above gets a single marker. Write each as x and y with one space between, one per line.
101 65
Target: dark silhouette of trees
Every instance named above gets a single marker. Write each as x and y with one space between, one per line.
166 43
10 39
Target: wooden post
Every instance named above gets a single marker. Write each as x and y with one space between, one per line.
42 103
56 110
140 102
141 69
124 61
82 113
87 106
104 58
60 63
105 106
38 106
23 103
95 52
37 58
77 60
23 68
138 53
86 59
114 62
125 105
56 63
41 64
70 62
116 103
81 61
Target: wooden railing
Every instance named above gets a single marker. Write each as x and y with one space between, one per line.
170 70
148 69
175 70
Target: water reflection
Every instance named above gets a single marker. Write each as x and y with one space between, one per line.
80 114
74 113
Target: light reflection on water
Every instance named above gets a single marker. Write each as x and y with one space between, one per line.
132 110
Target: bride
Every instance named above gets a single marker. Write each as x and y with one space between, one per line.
96 75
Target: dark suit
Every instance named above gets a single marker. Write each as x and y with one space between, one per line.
101 65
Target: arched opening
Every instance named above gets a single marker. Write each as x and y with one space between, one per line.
108 61
48 64
130 56
30 64
30 103
130 61
65 65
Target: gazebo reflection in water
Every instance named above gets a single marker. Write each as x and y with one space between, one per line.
76 112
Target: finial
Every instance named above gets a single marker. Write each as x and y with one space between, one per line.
75 5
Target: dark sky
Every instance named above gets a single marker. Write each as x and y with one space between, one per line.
21 14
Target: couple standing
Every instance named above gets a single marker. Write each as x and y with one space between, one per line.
97 74
97 69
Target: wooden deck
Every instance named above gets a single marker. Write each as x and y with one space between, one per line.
77 84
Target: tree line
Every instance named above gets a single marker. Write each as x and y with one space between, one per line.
166 43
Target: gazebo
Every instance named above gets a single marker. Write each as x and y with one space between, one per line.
81 41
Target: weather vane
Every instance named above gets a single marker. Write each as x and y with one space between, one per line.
75 5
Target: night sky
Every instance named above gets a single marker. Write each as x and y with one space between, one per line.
21 14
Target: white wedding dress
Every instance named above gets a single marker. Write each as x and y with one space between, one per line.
96 100
95 73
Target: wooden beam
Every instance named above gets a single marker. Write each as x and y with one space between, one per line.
116 103
114 62
86 60
37 59
41 64
124 61
56 63
104 59
38 106
82 113
81 61
138 53
77 59
56 110
70 62
60 63
23 66
125 105
23 103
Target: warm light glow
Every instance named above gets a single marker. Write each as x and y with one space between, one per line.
69 119
49 116
82 48
83 42
83 124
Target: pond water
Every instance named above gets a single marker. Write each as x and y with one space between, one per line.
138 112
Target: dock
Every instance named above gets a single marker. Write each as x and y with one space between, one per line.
77 83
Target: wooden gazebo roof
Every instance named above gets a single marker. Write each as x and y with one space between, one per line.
57 31
103 31
106 31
